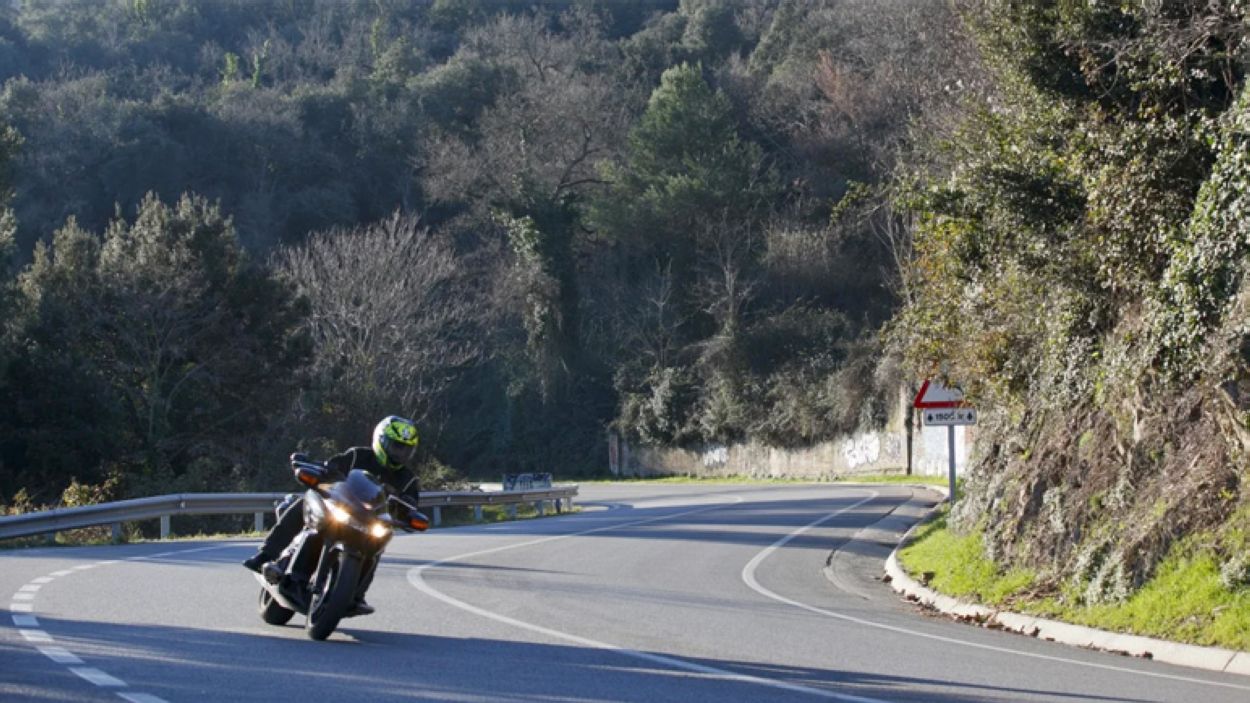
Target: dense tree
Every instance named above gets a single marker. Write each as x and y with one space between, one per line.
162 340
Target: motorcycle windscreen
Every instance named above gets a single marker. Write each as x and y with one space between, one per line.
360 489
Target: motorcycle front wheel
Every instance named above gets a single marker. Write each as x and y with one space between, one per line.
331 602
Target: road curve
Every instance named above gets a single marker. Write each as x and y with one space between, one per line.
658 592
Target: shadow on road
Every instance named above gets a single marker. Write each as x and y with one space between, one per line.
363 664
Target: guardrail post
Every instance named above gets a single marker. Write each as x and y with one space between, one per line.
260 522
477 513
438 516
164 527
541 507
512 511
117 533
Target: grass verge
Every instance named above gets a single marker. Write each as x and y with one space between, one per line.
1186 601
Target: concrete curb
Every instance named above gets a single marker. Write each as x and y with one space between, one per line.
1210 658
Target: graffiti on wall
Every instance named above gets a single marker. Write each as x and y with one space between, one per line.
715 456
862 449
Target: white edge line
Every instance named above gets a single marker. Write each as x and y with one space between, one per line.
418 581
748 577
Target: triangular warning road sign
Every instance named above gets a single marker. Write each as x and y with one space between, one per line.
935 395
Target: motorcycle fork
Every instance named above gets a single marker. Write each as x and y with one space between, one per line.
306 556
327 547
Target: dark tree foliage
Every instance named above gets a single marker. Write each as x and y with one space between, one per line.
155 351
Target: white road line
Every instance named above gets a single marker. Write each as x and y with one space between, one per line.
179 552
142 698
98 677
60 655
418 581
748 576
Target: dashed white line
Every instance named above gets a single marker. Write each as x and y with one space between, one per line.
98 677
26 623
60 655
142 698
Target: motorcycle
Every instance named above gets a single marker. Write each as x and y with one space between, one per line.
348 521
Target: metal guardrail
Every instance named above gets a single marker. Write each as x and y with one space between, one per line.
52 521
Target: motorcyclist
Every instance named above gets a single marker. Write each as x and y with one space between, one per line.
394 446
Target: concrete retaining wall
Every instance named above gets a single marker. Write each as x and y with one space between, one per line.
872 451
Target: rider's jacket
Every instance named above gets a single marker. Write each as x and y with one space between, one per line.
403 481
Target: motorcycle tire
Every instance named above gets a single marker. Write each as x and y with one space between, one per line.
332 601
271 611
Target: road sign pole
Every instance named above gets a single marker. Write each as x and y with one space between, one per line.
950 447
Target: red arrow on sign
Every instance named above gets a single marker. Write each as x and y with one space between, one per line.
933 395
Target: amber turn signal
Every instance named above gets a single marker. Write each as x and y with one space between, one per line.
307 478
419 523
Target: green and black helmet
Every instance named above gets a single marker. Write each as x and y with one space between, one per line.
395 442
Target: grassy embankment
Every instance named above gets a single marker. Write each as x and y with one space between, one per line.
1185 601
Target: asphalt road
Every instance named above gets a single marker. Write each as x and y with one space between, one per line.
659 593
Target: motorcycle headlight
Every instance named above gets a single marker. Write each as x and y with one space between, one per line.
339 514
379 530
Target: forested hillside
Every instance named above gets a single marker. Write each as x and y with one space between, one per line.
242 227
